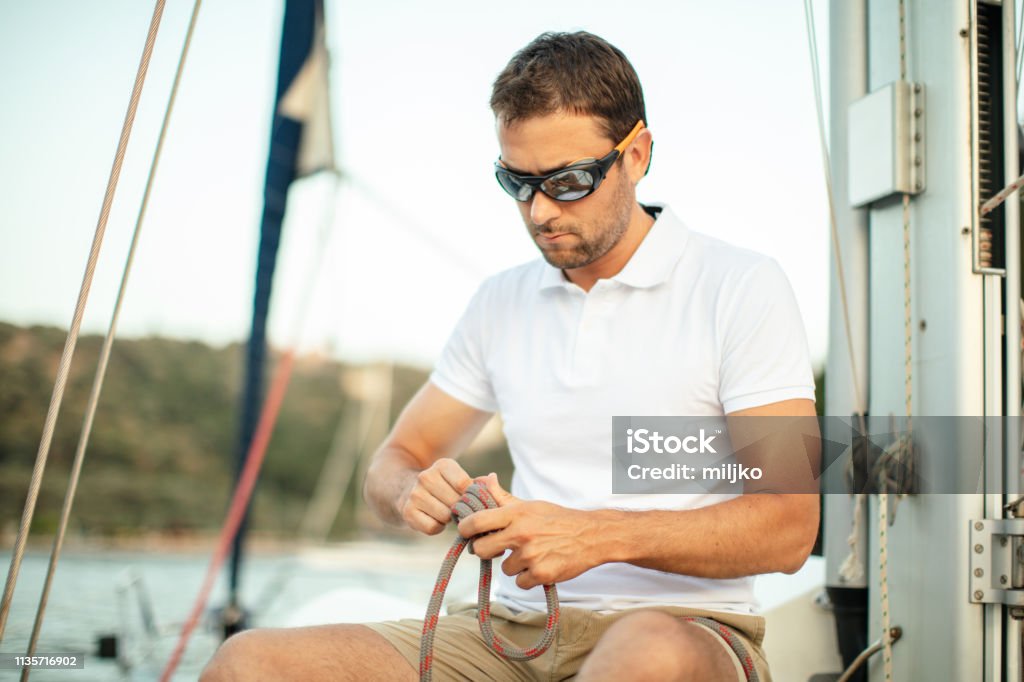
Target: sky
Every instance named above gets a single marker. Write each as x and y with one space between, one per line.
418 221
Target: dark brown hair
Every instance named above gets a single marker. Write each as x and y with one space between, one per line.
575 72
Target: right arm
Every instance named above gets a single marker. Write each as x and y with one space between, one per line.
414 479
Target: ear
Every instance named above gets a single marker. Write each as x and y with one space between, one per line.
638 155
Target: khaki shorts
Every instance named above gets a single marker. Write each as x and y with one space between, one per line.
460 652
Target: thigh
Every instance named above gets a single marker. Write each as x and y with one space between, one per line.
323 652
460 652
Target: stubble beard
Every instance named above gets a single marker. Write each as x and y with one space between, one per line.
588 248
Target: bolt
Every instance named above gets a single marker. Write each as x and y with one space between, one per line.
978 595
978 572
978 525
1002 580
978 549
1003 541
963 33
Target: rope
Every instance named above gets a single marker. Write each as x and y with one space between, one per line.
260 440
108 342
827 164
76 322
239 500
904 443
1004 194
473 500
851 569
734 642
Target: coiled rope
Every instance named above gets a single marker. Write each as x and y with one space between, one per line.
477 498
64 367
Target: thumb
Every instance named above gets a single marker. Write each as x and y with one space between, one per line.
502 496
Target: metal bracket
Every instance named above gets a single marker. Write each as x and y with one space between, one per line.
997 563
886 143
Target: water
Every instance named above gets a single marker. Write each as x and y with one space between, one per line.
84 603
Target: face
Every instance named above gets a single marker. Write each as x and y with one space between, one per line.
569 234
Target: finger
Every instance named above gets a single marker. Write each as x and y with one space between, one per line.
435 483
513 564
420 498
483 521
487 547
500 495
525 580
454 474
422 522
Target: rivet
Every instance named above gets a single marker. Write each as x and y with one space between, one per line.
978 595
917 137
917 161
978 549
965 230
978 573
917 87
924 325
1002 580
917 112
978 525
1003 541
963 33
918 186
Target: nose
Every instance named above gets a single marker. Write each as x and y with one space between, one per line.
543 209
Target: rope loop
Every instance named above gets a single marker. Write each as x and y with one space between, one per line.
477 498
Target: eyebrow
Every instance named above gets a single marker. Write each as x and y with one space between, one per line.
543 172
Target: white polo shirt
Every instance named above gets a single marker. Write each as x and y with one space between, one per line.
692 326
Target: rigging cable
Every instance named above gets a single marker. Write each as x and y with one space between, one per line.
851 568
108 342
64 367
257 448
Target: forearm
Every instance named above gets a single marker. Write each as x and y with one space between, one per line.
748 535
388 480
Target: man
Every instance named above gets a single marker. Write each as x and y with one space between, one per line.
628 313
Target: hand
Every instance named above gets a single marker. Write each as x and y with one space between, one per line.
549 543
427 503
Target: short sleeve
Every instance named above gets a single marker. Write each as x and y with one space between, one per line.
461 372
764 352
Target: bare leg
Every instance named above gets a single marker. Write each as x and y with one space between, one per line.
324 652
655 646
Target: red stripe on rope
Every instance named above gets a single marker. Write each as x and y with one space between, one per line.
239 501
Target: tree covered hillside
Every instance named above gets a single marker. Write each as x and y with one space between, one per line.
161 455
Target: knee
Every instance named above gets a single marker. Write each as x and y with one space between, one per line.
238 658
655 645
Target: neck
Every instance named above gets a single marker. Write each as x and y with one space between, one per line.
611 263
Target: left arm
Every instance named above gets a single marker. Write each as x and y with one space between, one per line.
747 535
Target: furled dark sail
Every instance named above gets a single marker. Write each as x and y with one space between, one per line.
300 144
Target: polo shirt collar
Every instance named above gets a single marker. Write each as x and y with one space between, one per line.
652 262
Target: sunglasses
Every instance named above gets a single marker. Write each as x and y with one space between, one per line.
575 181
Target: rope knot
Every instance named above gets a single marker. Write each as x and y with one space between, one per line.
476 498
